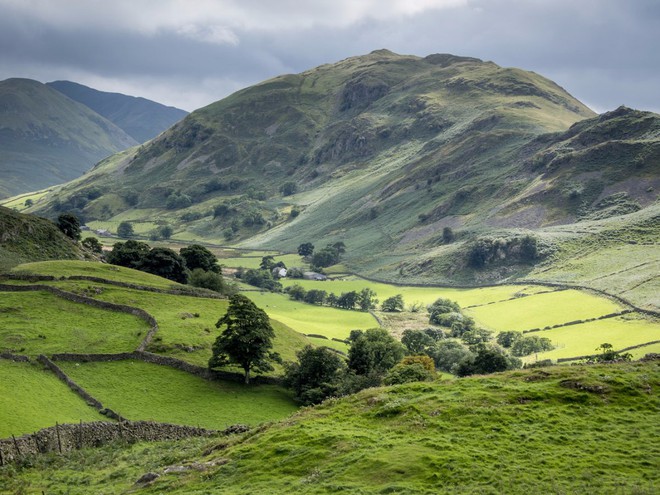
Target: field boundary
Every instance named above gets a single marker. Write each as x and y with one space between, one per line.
632 347
81 392
68 437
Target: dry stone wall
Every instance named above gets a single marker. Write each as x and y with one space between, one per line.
68 437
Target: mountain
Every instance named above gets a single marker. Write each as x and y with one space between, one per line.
47 138
384 152
140 118
26 238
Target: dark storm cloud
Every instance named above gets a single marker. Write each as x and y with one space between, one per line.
602 51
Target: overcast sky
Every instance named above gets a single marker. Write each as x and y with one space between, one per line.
189 53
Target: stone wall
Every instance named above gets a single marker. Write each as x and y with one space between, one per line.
68 437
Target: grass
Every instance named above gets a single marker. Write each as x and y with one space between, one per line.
308 318
421 295
580 340
564 430
31 399
142 391
95 269
41 323
251 261
541 310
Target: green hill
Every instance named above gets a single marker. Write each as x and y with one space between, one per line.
140 118
47 138
384 152
25 238
569 430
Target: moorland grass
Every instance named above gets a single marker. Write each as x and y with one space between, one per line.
562 430
142 391
32 398
541 310
41 323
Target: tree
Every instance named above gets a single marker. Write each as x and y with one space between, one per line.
447 235
296 292
393 304
165 231
69 225
347 300
128 254
373 351
207 280
315 376
306 249
524 346
165 263
508 338
366 299
125 230
447 354
28 202
315 296
246 339
288 188
198 256
416 341
267 263
93 244
487 360
407 373
608 355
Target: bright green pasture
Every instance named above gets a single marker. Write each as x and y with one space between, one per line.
309 318
643 351
42 323
95 269
422 295
142 391
583 339
332 344
541 310
186 324
32 398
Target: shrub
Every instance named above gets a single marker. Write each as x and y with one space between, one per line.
407 373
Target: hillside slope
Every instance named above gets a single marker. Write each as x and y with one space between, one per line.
577 429
25 238
384 152
47 138
140 118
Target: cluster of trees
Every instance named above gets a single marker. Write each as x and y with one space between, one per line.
520 345
328 256
194 264
364 300
489 250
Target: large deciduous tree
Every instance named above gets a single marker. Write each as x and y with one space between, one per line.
247 339
198 256
165 263
315 376
69 225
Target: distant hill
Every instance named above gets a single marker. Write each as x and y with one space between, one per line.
140 118
384 152
26 238
46 138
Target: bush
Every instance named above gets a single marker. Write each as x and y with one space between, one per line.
407 373
207 280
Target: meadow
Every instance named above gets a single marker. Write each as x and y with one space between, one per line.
32 398
142 391
35 323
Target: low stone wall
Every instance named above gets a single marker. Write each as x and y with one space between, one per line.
14 357
68 437
625 349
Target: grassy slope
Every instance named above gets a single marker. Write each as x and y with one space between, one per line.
28 238
521 432
28 396
41 323
141 391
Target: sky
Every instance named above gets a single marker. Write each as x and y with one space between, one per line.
189 53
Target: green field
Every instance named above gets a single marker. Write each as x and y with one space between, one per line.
583 339
253 261
308 318
42 323
541 310
31 399
142 391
